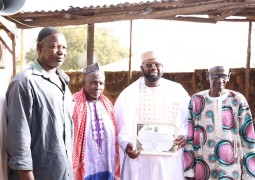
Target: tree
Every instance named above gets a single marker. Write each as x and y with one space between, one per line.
31 55
107 47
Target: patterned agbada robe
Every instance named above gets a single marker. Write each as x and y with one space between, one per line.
92 141
227 153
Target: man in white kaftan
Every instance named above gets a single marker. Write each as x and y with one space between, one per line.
3 131
151 99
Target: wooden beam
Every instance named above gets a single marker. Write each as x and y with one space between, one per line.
6 45
13 55
250 17
70 16
226 14
191 19
236 20
9 33
212 17
247 72
236 7
90 44
130 56
22 50
131 15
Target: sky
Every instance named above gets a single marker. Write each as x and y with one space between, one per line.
224 40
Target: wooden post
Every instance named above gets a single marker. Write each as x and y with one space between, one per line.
21 51
13 55
90 44
130 55
247 72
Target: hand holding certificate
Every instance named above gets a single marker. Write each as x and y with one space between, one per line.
157 139
131 151
180 141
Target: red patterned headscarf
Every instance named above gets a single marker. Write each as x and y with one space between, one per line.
80 120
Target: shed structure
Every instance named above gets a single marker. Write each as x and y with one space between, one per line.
210 11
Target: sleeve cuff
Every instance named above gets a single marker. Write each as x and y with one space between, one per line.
25 163
123 145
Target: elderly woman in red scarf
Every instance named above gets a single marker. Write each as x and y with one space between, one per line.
95 153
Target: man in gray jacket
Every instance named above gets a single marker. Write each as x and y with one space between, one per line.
40 107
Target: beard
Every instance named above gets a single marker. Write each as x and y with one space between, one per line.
152 78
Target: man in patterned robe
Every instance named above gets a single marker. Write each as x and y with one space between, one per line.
96 152
151 99
220 142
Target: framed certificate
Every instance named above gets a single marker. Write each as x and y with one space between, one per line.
155 138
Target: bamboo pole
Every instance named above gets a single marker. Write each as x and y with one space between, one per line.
22 51
247 72
130 55
13 55
90 44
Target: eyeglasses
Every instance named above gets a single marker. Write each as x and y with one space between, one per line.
149 65
217 76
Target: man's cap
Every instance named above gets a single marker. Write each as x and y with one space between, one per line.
92 68
212 65
149 55
46 32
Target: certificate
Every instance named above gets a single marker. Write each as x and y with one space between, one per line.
155 138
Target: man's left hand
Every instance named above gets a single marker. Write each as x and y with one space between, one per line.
180 141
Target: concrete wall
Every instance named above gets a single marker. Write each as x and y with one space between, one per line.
192 82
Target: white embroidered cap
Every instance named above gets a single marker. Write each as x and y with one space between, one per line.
149 55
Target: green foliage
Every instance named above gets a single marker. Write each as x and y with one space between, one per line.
107 47
31 55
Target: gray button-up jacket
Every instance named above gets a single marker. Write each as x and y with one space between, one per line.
40 126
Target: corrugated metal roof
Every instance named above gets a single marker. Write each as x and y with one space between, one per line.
93 6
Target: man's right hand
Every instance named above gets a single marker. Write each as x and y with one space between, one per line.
189 178
132 153
26 175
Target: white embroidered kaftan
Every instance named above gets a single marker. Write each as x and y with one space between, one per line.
165 103
100 144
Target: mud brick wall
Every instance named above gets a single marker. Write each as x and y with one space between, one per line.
193 82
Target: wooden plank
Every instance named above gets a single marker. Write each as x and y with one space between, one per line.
9 33
132 15
226 14
236 7
6 45
13 55
247 72
236 20
22 50
191 19
250 17
90 44
71 16
130 55
29 15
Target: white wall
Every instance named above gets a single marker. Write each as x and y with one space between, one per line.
5 74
